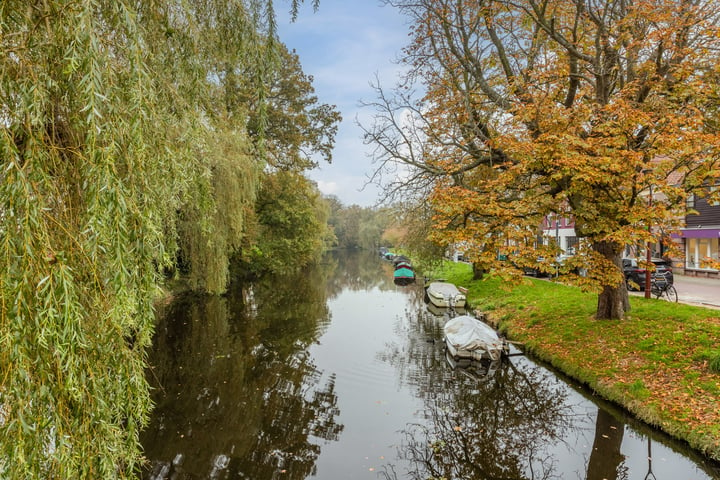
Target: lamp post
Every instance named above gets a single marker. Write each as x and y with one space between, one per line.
648 257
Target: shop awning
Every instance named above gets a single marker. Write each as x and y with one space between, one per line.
698 233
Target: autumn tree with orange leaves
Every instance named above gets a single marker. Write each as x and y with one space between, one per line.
571 107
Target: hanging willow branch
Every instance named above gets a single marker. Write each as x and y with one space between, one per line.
118 143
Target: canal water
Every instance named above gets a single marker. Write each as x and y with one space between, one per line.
336 373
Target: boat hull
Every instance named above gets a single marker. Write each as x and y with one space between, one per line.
443 311
404 276
442 294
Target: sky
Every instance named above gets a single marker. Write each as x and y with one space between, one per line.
344 46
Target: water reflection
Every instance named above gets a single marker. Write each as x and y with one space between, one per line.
237 394
358 270
492 424
515 420
338 373
606 460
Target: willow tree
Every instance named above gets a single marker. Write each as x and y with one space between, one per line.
112 124
561 107
292 225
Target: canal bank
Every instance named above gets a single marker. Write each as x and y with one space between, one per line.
660 363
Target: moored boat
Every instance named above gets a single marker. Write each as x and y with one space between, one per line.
468 338
445 294
403 265
397 259
403 275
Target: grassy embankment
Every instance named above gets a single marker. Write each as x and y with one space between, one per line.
662 362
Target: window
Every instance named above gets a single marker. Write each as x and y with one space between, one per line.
699 249
691 201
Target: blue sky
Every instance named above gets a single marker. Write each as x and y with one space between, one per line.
344 45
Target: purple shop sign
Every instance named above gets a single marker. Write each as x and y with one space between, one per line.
697 233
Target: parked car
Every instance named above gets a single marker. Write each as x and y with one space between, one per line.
560 266
536 271
635 275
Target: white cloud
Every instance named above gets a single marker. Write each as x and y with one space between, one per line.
327 188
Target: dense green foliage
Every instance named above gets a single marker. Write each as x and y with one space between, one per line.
291 226
658 362
124 144
357 227
293 123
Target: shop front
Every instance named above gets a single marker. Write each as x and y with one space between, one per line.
701 251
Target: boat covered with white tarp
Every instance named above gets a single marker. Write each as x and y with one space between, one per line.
468 337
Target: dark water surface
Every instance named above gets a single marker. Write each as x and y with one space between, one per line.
336 373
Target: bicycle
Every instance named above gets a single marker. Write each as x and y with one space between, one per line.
661 287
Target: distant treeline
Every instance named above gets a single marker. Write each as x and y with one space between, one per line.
356 227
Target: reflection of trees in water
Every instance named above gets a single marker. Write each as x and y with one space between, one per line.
606 461
500 425
237 395
290 308
612 424
496 426
358 270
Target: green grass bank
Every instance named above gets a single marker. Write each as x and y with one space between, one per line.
661 363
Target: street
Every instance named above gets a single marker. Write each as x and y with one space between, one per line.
695 291
698 290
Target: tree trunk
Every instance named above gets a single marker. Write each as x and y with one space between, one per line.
613 300
478 271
